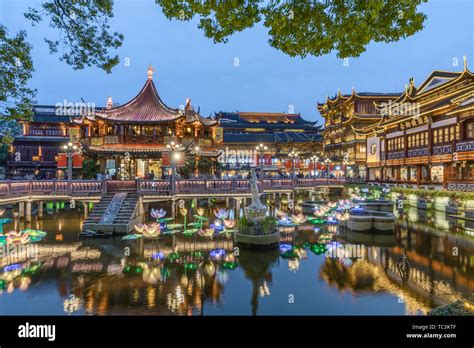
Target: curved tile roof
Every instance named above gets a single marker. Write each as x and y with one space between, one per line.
147 106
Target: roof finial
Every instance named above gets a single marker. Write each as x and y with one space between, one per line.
353 90
110 103
150 72
464 58
188 103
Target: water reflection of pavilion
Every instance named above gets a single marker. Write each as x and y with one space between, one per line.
436 277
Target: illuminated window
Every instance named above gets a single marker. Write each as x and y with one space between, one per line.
470 130
435 136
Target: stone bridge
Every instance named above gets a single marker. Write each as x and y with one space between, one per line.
12 191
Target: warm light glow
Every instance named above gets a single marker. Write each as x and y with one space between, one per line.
65 147
196 148
69 144
177 156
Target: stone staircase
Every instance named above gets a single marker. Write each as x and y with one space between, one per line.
114 214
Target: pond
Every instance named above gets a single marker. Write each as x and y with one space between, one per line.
192 275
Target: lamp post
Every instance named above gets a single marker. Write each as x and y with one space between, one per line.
315 161
327 161
293 155
345 163
197 150
70 148
174 153
260 148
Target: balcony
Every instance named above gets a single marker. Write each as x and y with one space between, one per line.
465 146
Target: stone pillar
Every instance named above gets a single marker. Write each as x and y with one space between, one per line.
173 208
21 210
28 211
141 208
86 210
227 202
237 207
40 209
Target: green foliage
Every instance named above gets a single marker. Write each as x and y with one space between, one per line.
16 68
434 193
302 27
3 153
243 223
268 224
89 169
84 27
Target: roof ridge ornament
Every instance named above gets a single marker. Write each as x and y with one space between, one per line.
110 103
464 58
150 72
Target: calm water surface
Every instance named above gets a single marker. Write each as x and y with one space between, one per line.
72 276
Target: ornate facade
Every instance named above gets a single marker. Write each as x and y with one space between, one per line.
342 114
426 135
130 140
280 133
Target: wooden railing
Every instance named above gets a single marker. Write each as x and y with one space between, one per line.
159 187
50 187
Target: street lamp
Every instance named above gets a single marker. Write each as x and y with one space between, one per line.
315 161
175 155
70 148
197 149
345 163
293 155
260 148
327 161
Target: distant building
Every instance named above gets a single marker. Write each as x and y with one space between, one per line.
426 135
280 133
35 152
130 140
342 145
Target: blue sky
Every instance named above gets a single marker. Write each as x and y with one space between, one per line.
189 65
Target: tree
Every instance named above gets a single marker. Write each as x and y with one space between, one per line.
84 40
297 28
16 68
305 27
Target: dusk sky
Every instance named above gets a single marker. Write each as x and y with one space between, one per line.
187 64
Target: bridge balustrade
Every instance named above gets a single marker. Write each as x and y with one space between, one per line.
183 186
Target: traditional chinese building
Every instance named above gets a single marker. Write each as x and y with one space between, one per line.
278 133
342 114
130 140
426 135
35 152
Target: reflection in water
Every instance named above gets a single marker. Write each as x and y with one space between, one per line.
193 275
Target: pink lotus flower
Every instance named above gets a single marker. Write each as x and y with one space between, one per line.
228 223
206 233
149 231
298 219
17 238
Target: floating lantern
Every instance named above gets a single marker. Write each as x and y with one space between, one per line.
221 213
228 223
318 248
208 232
217 253
132 236
285 247
298 219
17 238
158 256
157 214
